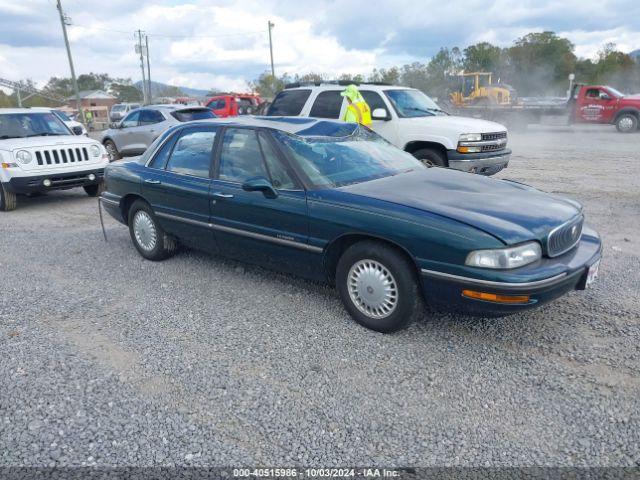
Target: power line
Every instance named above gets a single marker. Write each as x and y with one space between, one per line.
167 35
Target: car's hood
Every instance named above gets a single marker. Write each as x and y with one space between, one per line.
510 211
30 142
459 124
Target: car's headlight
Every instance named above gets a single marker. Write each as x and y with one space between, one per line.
95 150
23 156
511 257
471 137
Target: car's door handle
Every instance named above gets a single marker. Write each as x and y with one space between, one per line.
222 195
154 182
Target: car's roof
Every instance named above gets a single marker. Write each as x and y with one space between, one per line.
6 111
173 106
303 126
335 86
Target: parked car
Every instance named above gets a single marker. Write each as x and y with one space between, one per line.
335 202
138 130
76 127
120 110
411 121
39 153
234 104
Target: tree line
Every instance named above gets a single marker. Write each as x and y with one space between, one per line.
537 64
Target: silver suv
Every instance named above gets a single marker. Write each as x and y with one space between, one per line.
119 110
138 130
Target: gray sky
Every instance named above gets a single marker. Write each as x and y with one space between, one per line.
205 44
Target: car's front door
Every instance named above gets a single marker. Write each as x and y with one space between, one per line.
177 185
250 225
596 106
386 128
125 139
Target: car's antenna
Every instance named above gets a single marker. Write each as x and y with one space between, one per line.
104 233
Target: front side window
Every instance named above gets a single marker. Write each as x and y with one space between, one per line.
63 116
327 105
413 103
161 157
149 117
374 100
240 158
191 154
289 103
131 120
278 173
358 158
20 125
593 93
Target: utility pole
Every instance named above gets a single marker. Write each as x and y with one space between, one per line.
146 41
144 81
271 25
63 22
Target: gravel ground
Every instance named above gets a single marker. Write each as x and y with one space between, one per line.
108 359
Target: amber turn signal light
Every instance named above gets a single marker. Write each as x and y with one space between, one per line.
494 297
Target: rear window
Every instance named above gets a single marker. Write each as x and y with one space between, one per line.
190 115
327 105
289 103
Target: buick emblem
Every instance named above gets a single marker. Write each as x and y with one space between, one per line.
574 231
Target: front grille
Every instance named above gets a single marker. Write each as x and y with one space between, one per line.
58 156
486 137
492 148
565 237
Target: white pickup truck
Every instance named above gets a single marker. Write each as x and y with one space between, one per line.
38 153
410 120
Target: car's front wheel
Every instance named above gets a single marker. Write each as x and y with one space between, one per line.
147 235
8 200
112 150
431 157
378 286
627 123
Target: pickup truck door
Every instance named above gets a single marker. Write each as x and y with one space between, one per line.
595 105
177 184
250 225
386 128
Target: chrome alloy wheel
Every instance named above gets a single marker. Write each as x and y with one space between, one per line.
372 288
625 124
145 230
111 151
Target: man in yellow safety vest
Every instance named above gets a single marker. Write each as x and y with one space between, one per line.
357 110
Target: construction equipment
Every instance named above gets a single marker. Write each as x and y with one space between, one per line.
477 88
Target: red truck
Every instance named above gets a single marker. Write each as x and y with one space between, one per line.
234 104
586 104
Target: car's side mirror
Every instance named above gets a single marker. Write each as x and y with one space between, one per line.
77 130
260 184
380 114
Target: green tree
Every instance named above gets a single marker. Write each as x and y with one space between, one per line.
540 64
483 57
125 92
390 76
267 85
616 68
440 70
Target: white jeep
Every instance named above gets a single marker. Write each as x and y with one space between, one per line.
410 120
39 153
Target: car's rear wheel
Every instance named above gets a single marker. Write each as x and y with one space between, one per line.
147 235
8 200
378 286
94 190
112 150
627 123
431 157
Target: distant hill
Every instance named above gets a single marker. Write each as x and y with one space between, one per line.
162 89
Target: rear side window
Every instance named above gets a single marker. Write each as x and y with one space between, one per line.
195 114
327 105
192 153
289 103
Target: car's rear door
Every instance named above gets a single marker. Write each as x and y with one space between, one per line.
150 126
177 185
248 225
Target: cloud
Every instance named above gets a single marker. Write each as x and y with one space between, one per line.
199 43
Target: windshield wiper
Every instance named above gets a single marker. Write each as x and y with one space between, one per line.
4 137
44 134
416 109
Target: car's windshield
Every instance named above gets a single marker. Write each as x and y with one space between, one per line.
118 108
63 116
615 92
21 125
344 161
413 103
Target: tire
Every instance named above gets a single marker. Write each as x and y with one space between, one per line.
112 150
8 200
627 123
369 265
431 157
94 190
147 235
